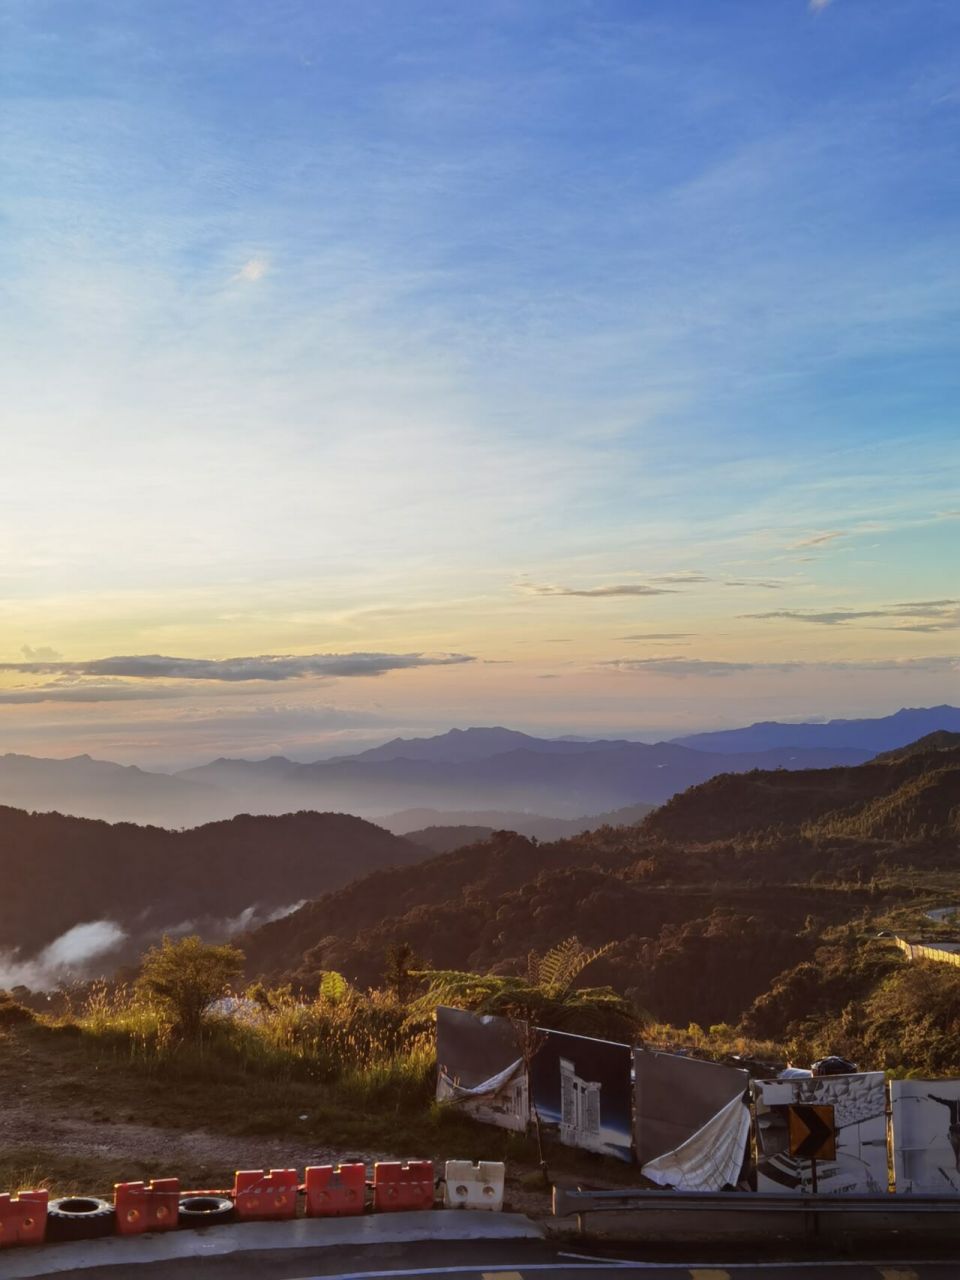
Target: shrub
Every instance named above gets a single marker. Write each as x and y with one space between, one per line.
187 977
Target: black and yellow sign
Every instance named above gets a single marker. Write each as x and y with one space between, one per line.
812 1132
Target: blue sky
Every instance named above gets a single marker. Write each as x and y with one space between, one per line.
607 344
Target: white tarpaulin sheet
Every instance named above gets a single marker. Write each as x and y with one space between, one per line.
449 1091
926 1135
709 1160
859 1107
504 1100
479 1071
675 1096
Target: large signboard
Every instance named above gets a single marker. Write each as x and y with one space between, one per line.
581 1089
860 1127
691 1121
926 1135
480 1070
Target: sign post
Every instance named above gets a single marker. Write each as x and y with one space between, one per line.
813 1135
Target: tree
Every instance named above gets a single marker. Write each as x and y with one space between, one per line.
398 975
186 977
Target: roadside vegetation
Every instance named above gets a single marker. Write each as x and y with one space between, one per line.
183 1047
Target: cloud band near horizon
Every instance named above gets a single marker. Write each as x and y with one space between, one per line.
271 667
680 667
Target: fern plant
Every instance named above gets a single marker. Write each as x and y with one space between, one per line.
545 996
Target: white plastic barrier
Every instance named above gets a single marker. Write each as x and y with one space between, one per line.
473 1186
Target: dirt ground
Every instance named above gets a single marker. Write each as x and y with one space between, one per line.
79 1123
72 1137
77 1155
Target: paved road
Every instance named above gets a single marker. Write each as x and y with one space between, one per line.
490 1260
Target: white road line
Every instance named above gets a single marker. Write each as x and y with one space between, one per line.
484 1269
504 1270
592 1257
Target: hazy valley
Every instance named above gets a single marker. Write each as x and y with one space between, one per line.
463 770
734 879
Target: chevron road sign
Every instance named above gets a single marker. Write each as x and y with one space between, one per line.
812 1132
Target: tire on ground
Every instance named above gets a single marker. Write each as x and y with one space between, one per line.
79 1218
205 1211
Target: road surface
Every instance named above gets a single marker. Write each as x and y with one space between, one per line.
489 1260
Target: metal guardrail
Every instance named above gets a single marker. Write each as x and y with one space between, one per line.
566 1202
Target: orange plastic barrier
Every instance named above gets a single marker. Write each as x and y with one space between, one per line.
263 1196
147 1208
23 1220
402 1186
335 1192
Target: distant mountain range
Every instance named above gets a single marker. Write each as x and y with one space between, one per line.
463 771
440 830
87 788
465 746
872 736
566 783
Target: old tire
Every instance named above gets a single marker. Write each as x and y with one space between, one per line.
205 1211
79 1218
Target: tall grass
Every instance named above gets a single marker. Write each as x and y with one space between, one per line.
363 1046
716 1042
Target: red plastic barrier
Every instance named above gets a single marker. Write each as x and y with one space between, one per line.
23 1220
335 1192
147 1208
265 1196
402 1186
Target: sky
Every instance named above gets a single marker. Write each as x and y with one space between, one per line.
586 366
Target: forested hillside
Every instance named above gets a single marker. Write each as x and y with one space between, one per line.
702 927
59 871
902 795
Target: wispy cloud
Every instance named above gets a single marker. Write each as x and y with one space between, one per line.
265 667
817 539
917 615
661 635
85 691
681 668
654 584
597 593
681 577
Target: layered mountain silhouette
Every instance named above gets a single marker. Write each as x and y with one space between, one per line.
872 736
461 746
442 832
463 771
88 788
568 783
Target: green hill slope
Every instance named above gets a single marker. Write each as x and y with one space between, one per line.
905 795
